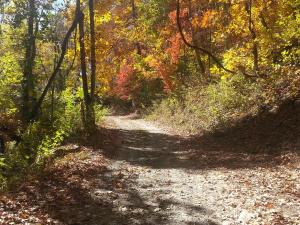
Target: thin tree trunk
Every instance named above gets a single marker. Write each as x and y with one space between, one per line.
135 98
87 98
210 49
2 5
64 45
56 50
28 79
83 58
253 36
93 60
2 145
93 49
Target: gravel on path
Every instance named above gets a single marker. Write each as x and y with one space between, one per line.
172 183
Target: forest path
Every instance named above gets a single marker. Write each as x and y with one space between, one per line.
168 181
133 173
163 186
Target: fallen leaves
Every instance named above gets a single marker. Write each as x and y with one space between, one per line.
56 189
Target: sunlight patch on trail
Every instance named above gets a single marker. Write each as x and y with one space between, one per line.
123 122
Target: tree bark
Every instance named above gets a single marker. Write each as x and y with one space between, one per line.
28 78
83 59
2 5
135 98
253 36
2 145
93 60
89 122
134 17
93 49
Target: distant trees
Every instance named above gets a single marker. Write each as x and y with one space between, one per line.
57 67
128 46
185 41
31 105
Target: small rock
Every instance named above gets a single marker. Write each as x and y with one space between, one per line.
156 210
281 201
138 210
245 217
123 209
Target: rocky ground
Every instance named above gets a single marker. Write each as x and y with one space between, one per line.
141 174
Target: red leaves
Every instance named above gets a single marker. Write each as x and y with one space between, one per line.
184 14
174 49
126 85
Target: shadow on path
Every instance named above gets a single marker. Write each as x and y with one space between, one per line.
258 141
158 150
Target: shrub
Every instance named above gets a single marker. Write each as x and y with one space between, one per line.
41 139
100 112
209 107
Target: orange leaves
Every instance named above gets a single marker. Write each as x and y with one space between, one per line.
204 21
162 70
174 49
165 71
207 18
184 13
172 17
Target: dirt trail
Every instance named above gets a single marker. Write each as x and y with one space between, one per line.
133 173
165 189
164 180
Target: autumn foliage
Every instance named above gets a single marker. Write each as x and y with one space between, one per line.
126 84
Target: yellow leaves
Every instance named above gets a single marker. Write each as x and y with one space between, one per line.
225 77
207 18
151 61
196 22
105 18
204 21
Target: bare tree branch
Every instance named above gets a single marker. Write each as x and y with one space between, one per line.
217 61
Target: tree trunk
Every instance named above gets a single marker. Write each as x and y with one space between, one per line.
2 145
1 17
28 78
93 60
253 36
135 97
88 123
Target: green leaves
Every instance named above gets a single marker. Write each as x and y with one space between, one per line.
10 81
